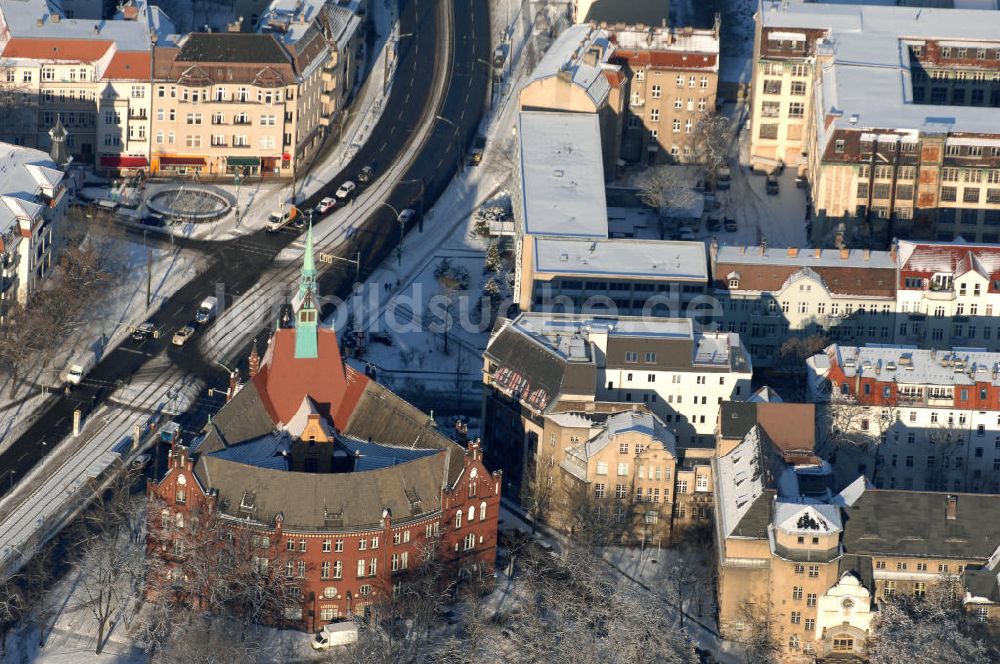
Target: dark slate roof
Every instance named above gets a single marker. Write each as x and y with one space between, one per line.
384 417
983 583
235 47
860 566
630 12
755 522
266 451
913 523
305 499
736 418
243 418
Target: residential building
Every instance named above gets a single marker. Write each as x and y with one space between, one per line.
812 567
92 74
888 109
33 204
577 74
673 76
767 294
909 418
537 364
331 473
224 103
565 257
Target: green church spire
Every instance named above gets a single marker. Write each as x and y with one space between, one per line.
307 280
307 317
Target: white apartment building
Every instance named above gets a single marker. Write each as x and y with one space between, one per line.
33 203
909 418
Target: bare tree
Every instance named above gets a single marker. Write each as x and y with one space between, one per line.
934 629
712 141
684 575
660 188
756 635
17 108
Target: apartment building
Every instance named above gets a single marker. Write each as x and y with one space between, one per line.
812 566
537 363
578 74
225 103
33 204
911 419
767 294
91 74
565 258
673 81
889 110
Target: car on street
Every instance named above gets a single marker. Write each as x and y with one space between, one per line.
141 461
182 335
345 190
407 215
772 185
325 206
476 154
143 332
367 174
730 225
153 221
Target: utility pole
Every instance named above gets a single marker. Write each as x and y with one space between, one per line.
149 271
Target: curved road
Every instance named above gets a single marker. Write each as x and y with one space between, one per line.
240 263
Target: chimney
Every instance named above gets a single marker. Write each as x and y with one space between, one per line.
892 252
952 510
39 22
819 252
763 246
868 254
592 56
130 12
55 18
793 252
844 253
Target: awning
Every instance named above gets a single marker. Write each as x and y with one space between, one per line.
243 161
114 161
182 161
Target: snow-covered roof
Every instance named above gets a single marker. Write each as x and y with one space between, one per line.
739 481
795 518
909 365
568 334
653 259
36 19
567 53
867 84
671 40
755 255
562 175
25 174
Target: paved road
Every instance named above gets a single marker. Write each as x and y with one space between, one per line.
240 263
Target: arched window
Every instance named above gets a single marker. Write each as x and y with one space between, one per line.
472 513
164 518
458 519
179 519
482 511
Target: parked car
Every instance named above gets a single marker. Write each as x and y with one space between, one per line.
79 367
478 148
206 311
772 185
182 335
325 206
723 177
145 331
366 175
345 190
141 461
407 215
730 225
153 221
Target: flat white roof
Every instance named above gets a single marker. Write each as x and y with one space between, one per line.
869 79
754 255
21 18
649 259
908 365
562 175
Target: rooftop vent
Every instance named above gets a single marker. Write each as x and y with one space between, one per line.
853 119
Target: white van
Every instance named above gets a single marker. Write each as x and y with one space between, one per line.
280 219
207 310
336 634
79 367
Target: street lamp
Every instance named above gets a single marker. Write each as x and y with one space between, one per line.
455 139
399 218
238 180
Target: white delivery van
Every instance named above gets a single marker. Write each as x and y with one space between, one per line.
336 634
79 367
280 219
207 310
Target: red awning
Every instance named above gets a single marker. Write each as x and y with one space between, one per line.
182 161
112 161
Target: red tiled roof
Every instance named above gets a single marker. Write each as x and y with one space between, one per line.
957 259
83 50
868 281
615 78
668 59
283 380
130 65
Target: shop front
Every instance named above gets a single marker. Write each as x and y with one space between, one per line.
171 165
246 166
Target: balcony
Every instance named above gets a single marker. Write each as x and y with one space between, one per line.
940 295
329 75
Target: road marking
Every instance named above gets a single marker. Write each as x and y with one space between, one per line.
134 350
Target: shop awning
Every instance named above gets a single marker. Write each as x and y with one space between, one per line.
114 161
243 161
182 161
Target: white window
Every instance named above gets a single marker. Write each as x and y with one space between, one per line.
688 124
138 92
159 138
680 80
602 468
678 103
677 126
623 469
458 519
159 114
654 115
701 483
194 118
361 568
655 92
469 542
482 511
267 142
171 138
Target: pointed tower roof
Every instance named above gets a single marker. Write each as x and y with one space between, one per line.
58 151
307 279
306 324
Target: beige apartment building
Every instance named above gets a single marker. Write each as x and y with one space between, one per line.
810 564
224 103
673 83
890 113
